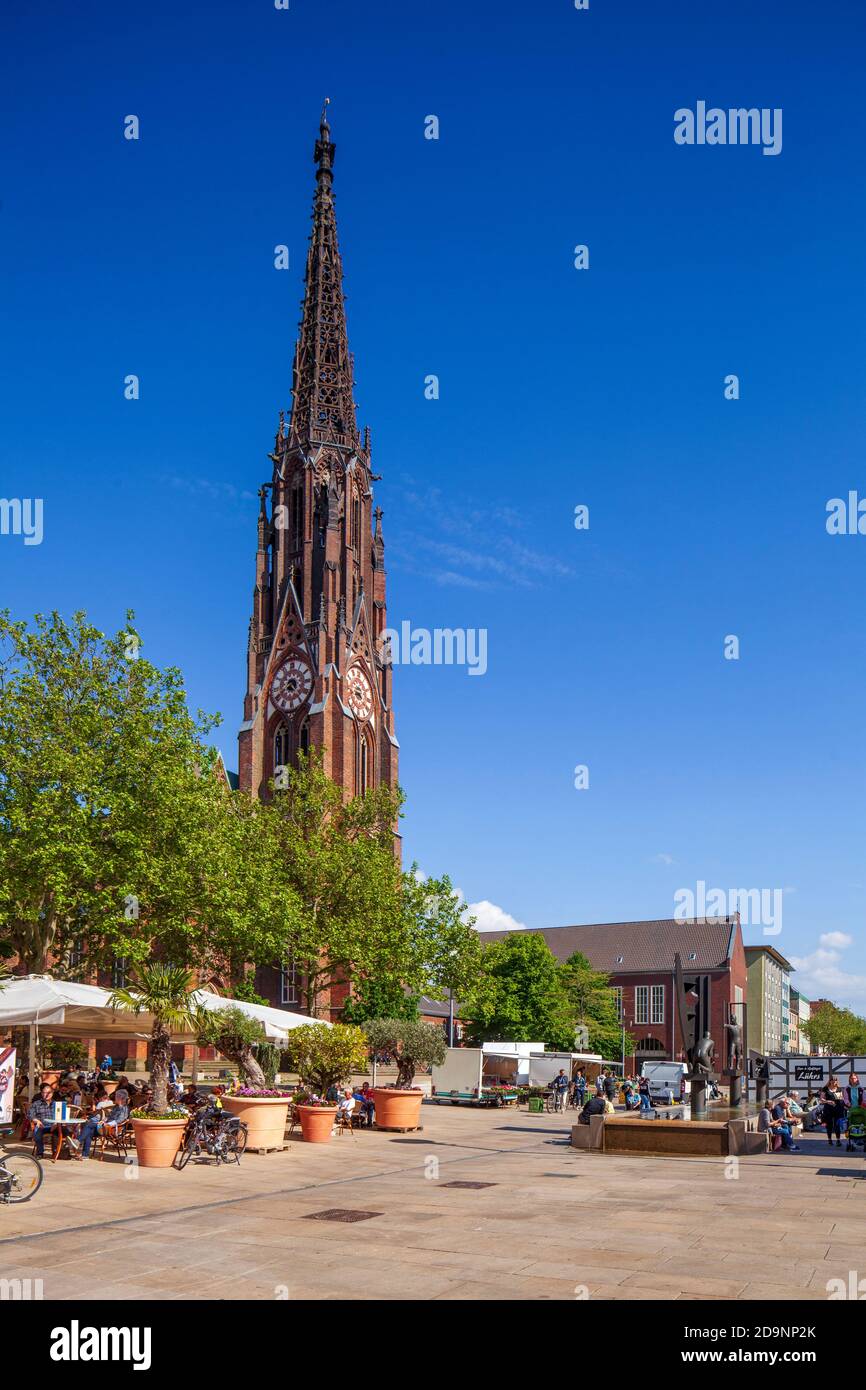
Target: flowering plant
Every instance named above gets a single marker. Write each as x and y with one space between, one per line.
142 1113
260 1093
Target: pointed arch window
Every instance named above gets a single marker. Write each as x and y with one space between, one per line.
296 516
356 521
362 762
304 737
282 747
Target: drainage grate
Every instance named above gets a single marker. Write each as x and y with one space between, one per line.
458 1183
340 1214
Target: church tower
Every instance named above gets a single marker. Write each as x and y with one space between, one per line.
316 677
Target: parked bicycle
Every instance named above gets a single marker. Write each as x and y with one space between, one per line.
211 1133
20 1175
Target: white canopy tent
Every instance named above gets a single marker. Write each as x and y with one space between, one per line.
70 1010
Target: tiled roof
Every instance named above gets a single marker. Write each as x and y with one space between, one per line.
647 946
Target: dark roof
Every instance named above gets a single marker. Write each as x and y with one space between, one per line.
649 946
752 952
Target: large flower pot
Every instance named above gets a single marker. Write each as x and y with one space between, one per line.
397 1109
264 1116
157 1141
50 1077
317 1122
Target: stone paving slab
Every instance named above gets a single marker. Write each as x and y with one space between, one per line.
556 1225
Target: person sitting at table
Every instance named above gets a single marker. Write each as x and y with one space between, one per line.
41 1117
100 1099
110 1120
368 1104
191 1097
345 1107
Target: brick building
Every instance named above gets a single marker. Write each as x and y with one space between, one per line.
639 958
317 673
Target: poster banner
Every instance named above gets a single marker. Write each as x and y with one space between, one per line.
7 1084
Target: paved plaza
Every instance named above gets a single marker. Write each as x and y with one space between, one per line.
553 1223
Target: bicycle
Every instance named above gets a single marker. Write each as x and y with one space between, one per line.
21 1175
212 1133
555 1104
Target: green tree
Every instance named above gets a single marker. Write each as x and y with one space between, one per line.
835 1030
164 992
119 837
326 1056
360 918
412 1044
235 1034
372 999
520 995
592 1003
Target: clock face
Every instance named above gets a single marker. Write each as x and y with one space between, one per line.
360 694
292 684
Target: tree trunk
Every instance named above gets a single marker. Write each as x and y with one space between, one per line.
405 1073
160 1058
252 1072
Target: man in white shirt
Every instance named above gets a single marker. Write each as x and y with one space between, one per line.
345 1108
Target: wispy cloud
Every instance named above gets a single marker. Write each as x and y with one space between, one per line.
821 974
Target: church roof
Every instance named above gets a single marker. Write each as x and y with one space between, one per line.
623 948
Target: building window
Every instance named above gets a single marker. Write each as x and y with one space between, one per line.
118 973
76 960
657 997
617 1000
282 747
304 737
288 983
356 522
362 763
297 515
641 1004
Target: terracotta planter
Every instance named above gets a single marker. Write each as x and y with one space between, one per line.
51 1078
397 1109
264 1116
157 1141
317 1122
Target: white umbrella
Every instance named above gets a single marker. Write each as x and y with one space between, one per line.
72 1010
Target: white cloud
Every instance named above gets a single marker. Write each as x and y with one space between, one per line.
821 976
489 917
837 939
663 859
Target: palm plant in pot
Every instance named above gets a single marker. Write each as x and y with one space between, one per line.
412 1045
324 1056
165 993
263 1109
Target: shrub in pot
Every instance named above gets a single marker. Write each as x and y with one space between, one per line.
324 1057
164 992
412 1044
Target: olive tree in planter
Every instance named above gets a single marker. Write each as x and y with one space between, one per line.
324 1056
256 1103
412 1044
164 992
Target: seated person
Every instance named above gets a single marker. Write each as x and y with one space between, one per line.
794 1103
364 1097
107 1063
191 1097
596 1105
776 1127
110 1119
41 1117
346 1106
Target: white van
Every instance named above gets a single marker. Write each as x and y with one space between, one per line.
664 1077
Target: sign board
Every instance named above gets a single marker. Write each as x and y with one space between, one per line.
7 1084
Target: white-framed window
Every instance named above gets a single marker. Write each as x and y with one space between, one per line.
657 1004
289 983
617 999
641 1004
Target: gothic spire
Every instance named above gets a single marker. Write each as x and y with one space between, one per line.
323 407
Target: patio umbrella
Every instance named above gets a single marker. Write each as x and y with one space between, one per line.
72 1010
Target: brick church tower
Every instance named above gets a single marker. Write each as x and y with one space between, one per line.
315 674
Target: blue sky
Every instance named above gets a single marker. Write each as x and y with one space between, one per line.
557 387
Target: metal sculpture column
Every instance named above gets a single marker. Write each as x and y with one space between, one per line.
699 1047
734 1058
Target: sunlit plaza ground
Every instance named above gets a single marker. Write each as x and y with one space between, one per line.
545 1222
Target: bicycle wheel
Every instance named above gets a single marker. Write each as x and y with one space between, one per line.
184 1153
550 1103
21 1176
241 1144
